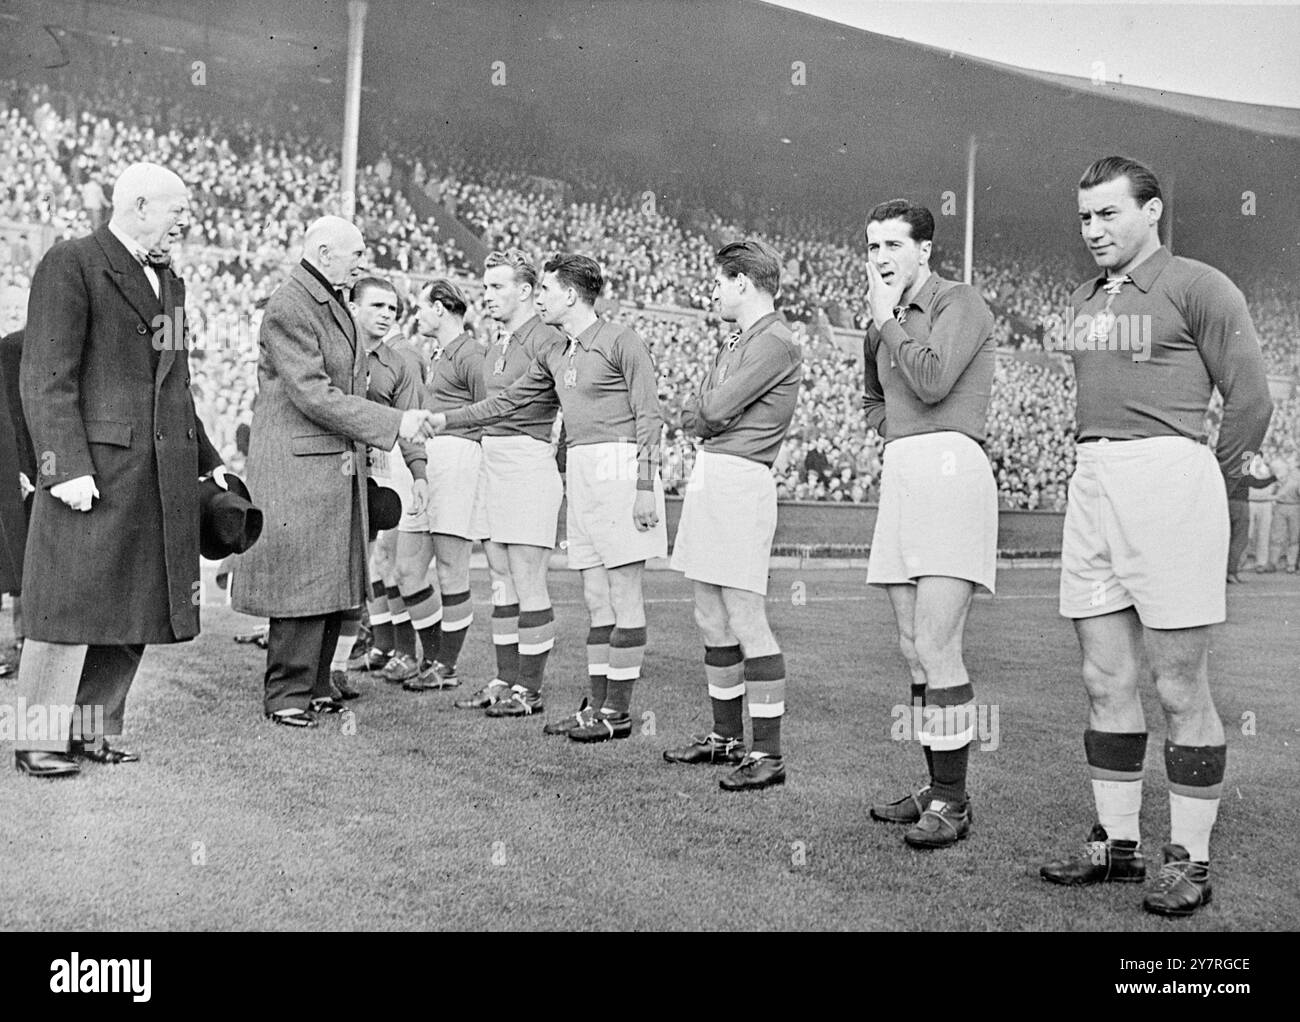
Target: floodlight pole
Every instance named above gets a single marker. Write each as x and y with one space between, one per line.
972 146
352 106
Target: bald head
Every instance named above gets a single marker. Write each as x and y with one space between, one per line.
335 247
151 205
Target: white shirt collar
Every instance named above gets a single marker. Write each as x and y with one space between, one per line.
134 247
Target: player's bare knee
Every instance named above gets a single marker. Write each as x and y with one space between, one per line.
1182 695
1108 683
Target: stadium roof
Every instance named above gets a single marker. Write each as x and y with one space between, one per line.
689 92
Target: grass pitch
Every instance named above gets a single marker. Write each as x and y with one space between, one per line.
419 816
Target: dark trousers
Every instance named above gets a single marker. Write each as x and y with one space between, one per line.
1238 532
298 655
106 678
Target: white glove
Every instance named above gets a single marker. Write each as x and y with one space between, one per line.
415 424
76 493
25 486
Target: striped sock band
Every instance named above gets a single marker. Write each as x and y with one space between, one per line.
1115 765
626 653
349 629
425 608
536 639
724 668
1195 783
598 662
950 726
381 619
505 640
403 633
457 615
765 689
918 699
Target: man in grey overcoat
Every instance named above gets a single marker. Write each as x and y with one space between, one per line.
307 466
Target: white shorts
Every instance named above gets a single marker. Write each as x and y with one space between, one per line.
457 490
602 494
1146 526
389 468
728 520
524 490
938 512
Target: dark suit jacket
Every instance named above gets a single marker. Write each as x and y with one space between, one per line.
101 399
15 456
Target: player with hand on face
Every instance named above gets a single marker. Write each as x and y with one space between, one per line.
724 540
606 383
928 363
1145 549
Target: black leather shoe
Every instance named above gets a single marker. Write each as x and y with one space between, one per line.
45 764
940 826
583 718
711 749
432 677
1102 861
907 809
339 679
103 754
521 702
321 704
602 728
1182 887
755 772
490 693
292 718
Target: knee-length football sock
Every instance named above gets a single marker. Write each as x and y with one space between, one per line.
765 689
598 663
457 616
536 639
381 619
1115 763
505 641
626 654
950 726
349 629
403 633
425 608
724 668
1195 782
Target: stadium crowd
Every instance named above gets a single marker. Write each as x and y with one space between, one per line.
258 179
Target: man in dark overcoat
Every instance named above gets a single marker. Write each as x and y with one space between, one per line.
307 466
112 558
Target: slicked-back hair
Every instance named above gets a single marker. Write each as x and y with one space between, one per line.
524 271
367 283
1141 180
757 260
918 219
448 295
578 272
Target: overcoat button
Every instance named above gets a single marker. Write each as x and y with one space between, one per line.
190 434
141 329
158 435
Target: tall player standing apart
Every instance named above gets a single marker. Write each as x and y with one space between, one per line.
605 380
456 513
929 372
524 493
1145 547
724 540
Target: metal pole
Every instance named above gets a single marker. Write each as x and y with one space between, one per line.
352 107
969 255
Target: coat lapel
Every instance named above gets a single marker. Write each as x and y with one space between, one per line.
129 276
174 288
317 290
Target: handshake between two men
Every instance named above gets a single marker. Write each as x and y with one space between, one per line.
420 424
